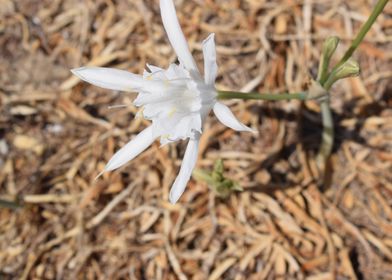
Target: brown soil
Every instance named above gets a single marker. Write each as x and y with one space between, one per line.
57 133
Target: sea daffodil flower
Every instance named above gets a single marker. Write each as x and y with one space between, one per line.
176 100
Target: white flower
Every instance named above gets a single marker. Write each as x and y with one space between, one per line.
176 100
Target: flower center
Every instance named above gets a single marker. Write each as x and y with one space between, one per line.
175 102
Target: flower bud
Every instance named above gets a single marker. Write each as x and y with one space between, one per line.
329 47
348 69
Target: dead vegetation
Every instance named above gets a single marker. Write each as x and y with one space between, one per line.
57 134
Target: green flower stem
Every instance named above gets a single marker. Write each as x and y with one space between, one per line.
328 135
323 69
361 35
260 96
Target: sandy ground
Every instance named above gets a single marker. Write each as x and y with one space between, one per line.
57 133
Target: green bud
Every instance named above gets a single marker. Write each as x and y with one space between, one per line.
348 69
329 48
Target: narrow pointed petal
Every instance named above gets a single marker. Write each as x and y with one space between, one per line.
210 66
109 78
188 163
225 116
176 37
131 150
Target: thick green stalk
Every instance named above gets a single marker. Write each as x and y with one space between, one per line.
328 135
261 96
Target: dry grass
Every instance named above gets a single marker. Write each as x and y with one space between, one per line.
57 134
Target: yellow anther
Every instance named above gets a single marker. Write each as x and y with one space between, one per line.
172 111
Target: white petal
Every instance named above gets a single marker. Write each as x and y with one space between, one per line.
176 37
177 126
225 116
131 150
109 78
186 126
210 66
188 163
